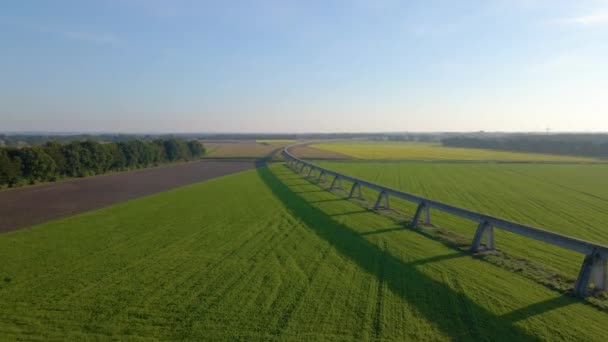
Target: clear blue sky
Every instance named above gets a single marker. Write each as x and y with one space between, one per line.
303 66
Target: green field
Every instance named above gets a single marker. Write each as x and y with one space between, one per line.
370 150
568 199
264 255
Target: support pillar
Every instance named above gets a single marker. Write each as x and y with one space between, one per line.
320 179
421 207
427 214
309 172
490 238
356 187
593 271
382 196
484 228
336 183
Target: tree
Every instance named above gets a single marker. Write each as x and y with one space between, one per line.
117 160
10 169
72 153
36 164
55 150
172 149
89 157
196 149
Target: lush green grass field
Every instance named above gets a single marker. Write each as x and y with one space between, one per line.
370 150
568 199
264 255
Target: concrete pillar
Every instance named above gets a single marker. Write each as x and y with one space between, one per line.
599 275
593 271
321 174
418 213
484 228
382 196
356 187
581 287
336 183
427 214
490 238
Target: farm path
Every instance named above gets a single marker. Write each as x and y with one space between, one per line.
23 207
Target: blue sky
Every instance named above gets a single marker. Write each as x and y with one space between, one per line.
303 66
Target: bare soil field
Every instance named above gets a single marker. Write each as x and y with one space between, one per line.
27 206
244 149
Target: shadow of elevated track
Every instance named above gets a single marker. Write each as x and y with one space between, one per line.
464 321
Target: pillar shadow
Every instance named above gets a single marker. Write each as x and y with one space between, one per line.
437 258
328 200
451 312
380 231
351 213
539 308
308 191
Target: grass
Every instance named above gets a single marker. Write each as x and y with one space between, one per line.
568 199
369 150
264 255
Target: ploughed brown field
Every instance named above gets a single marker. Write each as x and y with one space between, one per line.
23 207
248 149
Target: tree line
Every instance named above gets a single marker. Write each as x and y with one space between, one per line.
54 160
575 145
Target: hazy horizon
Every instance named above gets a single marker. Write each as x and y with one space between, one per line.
146 67
34 132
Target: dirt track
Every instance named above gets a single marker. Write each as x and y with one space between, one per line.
27 206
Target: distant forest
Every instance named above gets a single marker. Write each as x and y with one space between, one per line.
589 145
37 139
54 160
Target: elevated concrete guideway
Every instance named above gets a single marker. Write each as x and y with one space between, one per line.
594 267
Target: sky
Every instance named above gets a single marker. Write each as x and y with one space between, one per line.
303 66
